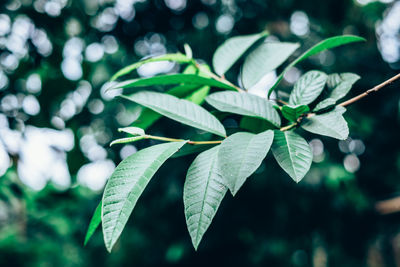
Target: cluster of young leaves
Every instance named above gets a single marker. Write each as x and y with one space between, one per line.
264 125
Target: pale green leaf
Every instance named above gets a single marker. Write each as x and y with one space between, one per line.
330 124
292 153
180 110
321 46
203 192
94 223
340 84
292 113
240 155
127 140
324 104
231 50
178 57
245 104
266 57
132 130
308 88
171 79
127 183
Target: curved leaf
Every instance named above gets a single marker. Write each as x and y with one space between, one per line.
231 50
178 57
292 113
135 131
292 153
340 84
245 104
94 223
308 88
324 104
265 58
202 193
240 155
126 185
171 79
180 110
321 46
330 124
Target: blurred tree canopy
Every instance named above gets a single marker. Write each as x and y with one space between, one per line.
56 122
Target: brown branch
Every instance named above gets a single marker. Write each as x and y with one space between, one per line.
372 90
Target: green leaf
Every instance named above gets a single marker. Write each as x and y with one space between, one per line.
324 105
132 131
245 104
126 185
180 110
231 50
255 125
321 46
330 124
340 84
202 193
178 57
199 95
240 155
171 79
308 88
265 58
292 113
292 153
94 223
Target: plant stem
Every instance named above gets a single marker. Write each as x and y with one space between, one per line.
372 90
288 127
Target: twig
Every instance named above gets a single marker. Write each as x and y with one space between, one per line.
372 90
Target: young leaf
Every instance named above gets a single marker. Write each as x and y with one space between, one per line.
178 57
308 88
240 155
292 113
127 140
231 50
244 104
292 153
265 58
203 192
321 46
330 124
171 79
94 223
135 131
340 84
126 185
180 110
324 104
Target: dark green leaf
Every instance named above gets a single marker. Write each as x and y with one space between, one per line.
171 79
292 113
94 223
321 46
178 57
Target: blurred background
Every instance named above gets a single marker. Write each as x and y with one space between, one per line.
56 122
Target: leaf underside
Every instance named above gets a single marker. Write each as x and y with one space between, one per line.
308 88
202 193
240 155
180 110
292 153
127 183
